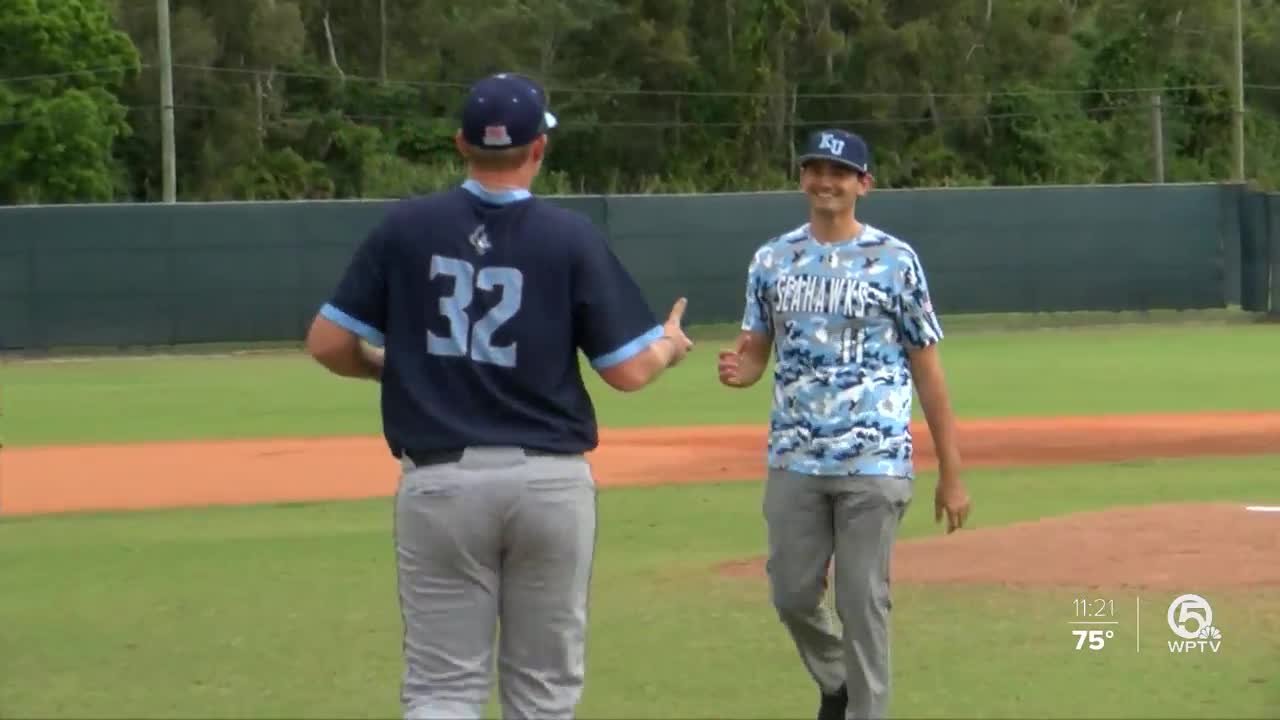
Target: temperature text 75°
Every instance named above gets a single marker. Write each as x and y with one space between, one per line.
1096 639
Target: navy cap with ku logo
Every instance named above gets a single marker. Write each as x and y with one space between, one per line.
838 146
504 111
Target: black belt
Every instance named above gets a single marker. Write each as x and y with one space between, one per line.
423 458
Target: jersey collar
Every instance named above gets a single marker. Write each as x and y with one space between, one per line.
866 235
498 198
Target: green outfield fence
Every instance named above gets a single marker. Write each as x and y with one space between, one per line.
153 275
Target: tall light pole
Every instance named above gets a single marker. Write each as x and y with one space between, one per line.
167 151
1239 93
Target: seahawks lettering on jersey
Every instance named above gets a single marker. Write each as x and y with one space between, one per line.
831 295
842 316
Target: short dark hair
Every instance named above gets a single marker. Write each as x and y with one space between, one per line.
496 158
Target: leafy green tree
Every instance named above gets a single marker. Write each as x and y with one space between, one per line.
60 113
358 98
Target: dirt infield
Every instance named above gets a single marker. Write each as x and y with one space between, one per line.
118 477
1161 547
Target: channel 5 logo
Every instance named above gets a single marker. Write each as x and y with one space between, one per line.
1190 617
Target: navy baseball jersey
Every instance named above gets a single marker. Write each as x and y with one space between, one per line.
843 316
482 301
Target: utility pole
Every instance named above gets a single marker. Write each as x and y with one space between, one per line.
1239 92
167 151
1157 137
382 52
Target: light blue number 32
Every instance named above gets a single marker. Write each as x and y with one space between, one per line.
478 339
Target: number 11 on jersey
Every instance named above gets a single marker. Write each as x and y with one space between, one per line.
851 343
476 340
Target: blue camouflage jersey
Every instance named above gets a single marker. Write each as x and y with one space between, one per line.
842 317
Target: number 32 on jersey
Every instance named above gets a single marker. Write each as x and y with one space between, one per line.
476 340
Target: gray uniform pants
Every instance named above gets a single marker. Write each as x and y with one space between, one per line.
497 547
855 520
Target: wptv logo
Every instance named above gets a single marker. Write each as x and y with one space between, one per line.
1191 619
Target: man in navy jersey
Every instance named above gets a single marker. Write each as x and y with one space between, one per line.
473 304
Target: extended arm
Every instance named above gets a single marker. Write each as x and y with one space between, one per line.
951 497
744 364
922 334
613 324
645 367
642 369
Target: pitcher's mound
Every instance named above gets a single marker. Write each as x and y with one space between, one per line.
1173 546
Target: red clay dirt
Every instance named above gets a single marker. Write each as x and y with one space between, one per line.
1160 547
119 477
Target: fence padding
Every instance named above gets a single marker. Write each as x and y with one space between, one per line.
115 275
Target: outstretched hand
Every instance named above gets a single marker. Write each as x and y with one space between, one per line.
672 328
730 364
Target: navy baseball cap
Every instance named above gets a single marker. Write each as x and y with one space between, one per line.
505 110
838 146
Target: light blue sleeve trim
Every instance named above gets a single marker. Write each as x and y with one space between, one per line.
363 329
628 351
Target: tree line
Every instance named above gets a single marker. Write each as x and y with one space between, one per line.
290 99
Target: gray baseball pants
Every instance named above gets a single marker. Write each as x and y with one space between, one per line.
498 547
854 520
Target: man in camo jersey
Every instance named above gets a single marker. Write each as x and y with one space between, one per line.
847 311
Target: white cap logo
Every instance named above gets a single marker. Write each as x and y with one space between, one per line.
829 142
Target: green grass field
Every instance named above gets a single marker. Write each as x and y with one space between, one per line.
289 611
1111 369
